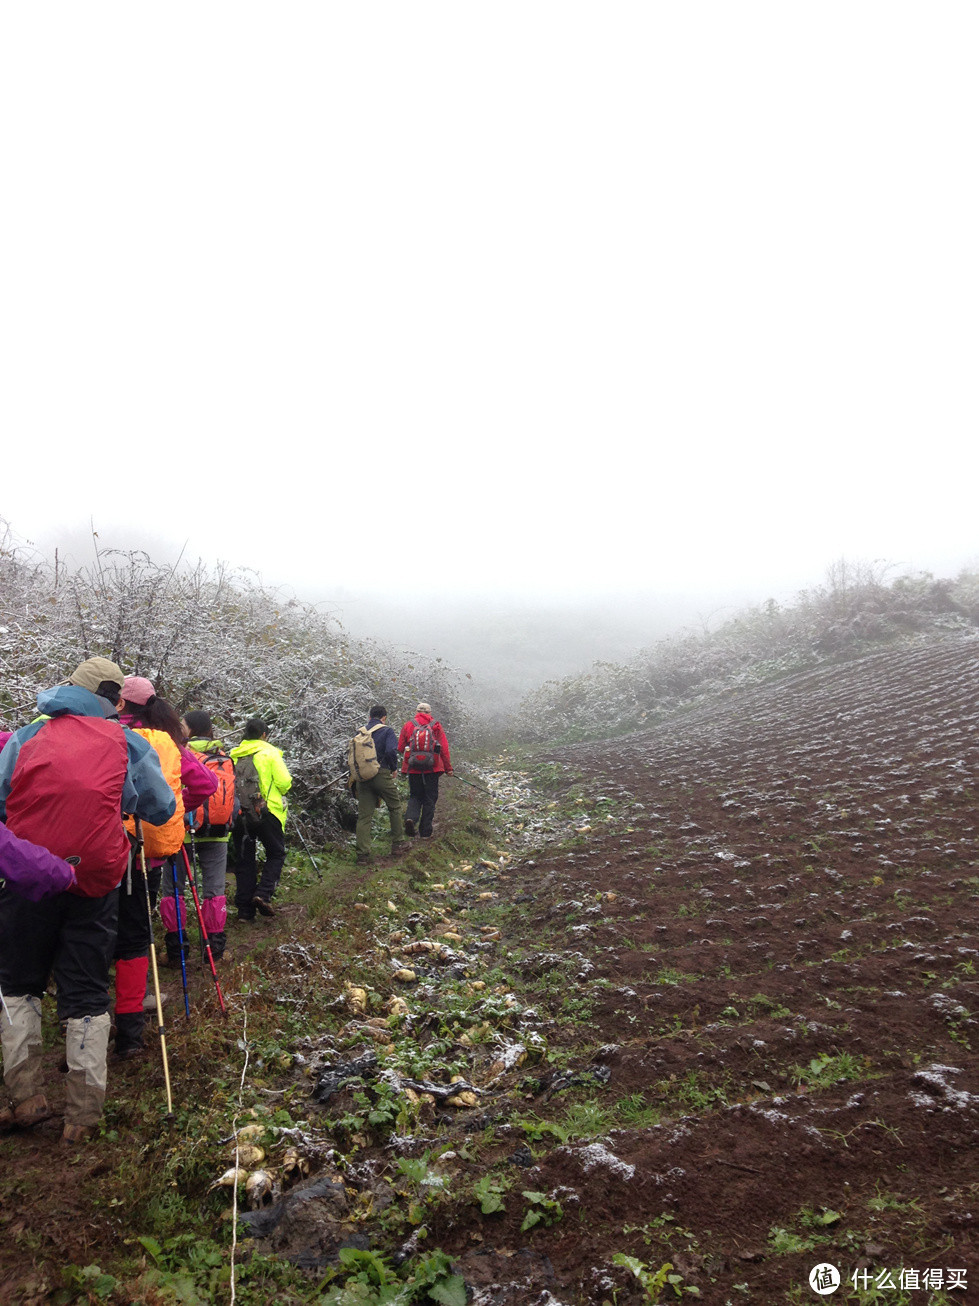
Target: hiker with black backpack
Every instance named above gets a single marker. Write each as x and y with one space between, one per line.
209 831
425 749
261 783
372 756
65 781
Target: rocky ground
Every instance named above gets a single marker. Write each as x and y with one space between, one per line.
694 1019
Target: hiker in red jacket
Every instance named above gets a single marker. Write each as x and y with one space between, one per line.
65 782
425 752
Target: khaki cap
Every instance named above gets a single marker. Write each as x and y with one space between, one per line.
91 673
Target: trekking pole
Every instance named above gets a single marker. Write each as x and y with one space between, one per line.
156 974
482 788
203 929
306 850
180 935
194 863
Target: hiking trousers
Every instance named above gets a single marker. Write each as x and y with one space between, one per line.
270 834
67 936
423 794
383 788
211 862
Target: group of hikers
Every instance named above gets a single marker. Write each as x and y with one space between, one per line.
103 795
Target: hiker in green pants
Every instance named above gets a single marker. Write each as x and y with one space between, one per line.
380 788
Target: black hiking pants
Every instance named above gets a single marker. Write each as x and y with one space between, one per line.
69 937
271 836
423 794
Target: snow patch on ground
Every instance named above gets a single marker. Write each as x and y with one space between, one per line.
597 1154
938 1091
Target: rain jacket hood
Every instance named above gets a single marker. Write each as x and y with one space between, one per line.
442 760
73 700
201 744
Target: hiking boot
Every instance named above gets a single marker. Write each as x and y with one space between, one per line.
72 1135
409 827
399 849
264 907
128 1052
364 859
32 1111
129 1035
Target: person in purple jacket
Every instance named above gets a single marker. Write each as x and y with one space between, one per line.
31 870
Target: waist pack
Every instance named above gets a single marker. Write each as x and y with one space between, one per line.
362 754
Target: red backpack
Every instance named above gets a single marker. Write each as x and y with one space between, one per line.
66 794
216 813
422 748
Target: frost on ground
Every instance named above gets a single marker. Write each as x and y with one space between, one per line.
938 1091
597 1154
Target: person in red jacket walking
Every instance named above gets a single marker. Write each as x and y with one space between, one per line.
425 756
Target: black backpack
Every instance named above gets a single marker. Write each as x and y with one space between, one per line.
248 791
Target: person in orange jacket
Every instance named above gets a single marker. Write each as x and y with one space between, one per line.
157 722
425 756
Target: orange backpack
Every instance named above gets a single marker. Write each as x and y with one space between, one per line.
167 839
216 813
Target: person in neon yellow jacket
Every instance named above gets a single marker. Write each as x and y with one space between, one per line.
259 765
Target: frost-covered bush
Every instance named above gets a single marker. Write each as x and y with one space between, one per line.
216 639
855 610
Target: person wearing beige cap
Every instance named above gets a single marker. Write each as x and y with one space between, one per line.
94 672
65 781
425 751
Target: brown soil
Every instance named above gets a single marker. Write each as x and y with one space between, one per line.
805 856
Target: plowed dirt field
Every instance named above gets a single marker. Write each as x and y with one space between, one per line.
775 900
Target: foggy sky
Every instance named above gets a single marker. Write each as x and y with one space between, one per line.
550 300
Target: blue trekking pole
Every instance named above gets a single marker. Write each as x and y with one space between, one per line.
180 935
